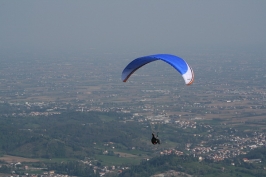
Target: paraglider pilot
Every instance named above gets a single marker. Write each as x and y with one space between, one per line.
155 140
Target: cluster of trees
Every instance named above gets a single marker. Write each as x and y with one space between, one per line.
158 165
5 169
259 153
6 108
73 168
191 166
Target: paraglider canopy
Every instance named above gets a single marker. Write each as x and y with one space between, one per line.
178 63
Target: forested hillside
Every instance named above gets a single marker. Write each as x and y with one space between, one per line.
189 165
70 134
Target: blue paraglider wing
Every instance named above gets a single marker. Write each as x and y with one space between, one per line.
178 63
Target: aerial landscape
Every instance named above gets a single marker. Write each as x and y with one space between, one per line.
65 111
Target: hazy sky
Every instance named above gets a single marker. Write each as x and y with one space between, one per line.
119 25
